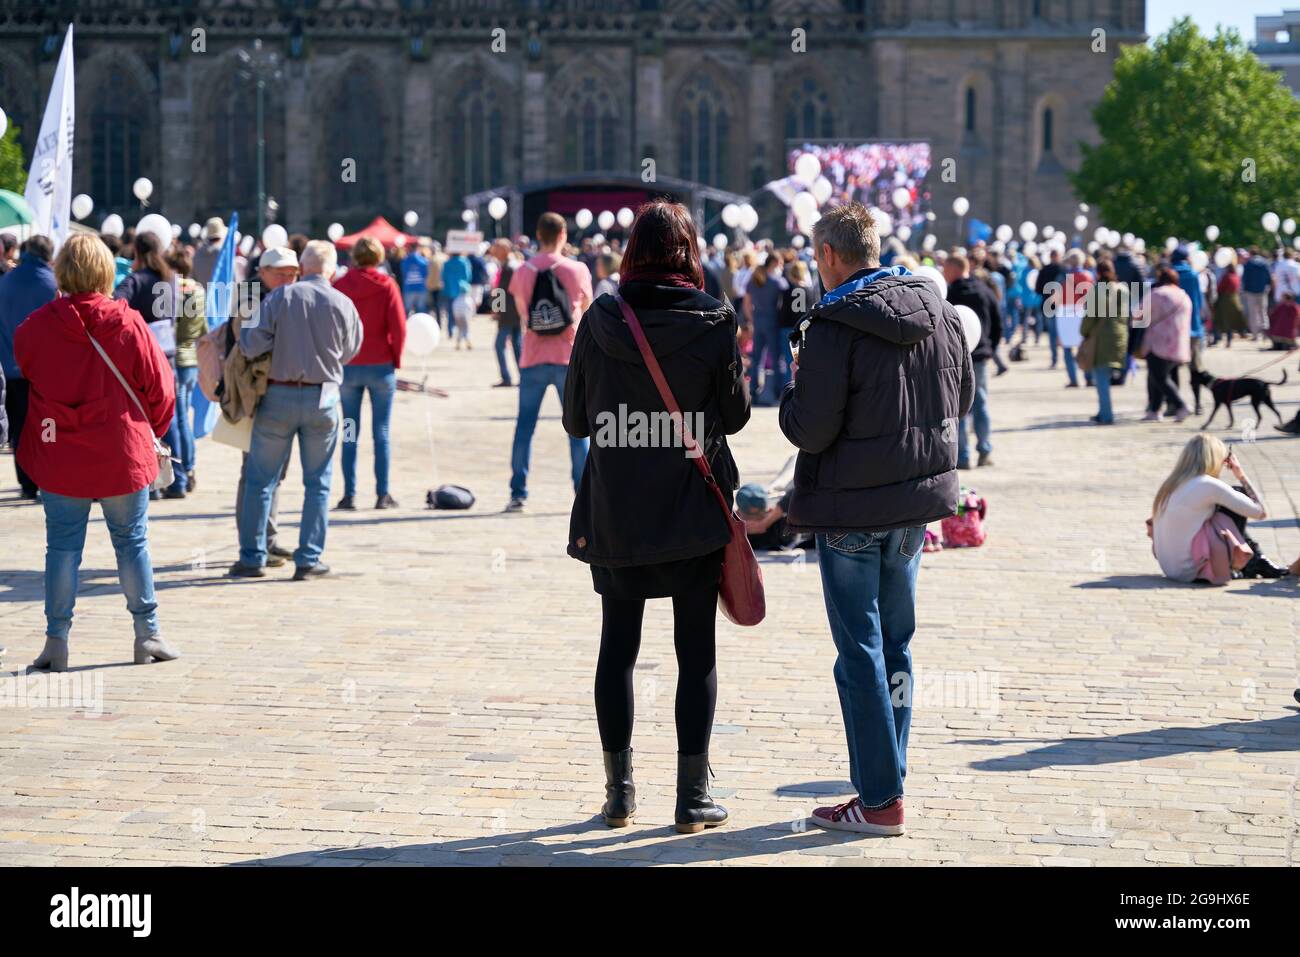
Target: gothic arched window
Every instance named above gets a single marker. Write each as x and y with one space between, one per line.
703 129
232 153
808 114
970 109
478 148
590 129
117 122
355 131
1048 132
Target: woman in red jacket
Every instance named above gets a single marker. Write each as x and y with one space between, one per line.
383 322
86 439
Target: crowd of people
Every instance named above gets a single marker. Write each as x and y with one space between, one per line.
863 345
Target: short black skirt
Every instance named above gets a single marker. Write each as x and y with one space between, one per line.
662 580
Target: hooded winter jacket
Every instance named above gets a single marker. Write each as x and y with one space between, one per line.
884 376
383 317
641 501
85 437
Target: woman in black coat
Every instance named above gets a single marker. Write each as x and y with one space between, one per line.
644 518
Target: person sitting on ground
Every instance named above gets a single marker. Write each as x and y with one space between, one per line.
1187 501
1284 323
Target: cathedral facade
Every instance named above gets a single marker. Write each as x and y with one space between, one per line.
379 106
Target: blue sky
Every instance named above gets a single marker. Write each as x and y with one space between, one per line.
1209 13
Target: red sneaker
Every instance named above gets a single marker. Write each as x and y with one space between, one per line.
853 816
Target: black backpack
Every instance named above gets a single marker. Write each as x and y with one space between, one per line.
549 311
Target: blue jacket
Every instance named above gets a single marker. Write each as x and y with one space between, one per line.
1255 275
456 276
23 290
1191 284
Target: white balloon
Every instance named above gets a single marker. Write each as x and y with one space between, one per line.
1171 244
334 232
497 207
884 225
806 223
625 217
936 277
82 205
422 334
194 230
961 205
1223 257
804 204
970 326
807 168
142 188
1139 245
4 122
930 241
1049 232
1031 279
720 241
1030 248
1270 222
1083 207
903 232
158 225
1211 233
605 220
1100 234
176 230
582 218
1296 242
1080 223
1028 231
822 189
399 239
274 236
1003 233
748 218
797 241
468 216
902 198
113 225
246 245
1288 225
1127 239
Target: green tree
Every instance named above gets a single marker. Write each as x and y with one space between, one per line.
1194 131
12 174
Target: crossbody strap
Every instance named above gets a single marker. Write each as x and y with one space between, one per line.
670 401
67 306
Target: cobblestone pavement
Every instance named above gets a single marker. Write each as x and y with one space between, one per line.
431 703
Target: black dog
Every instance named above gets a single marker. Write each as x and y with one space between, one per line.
1228 391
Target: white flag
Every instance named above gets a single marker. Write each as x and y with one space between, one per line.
49 181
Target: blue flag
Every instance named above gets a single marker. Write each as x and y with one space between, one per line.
220 296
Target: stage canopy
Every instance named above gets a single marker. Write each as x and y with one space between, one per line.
380 229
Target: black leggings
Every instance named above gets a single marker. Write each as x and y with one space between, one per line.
1161 385
694 617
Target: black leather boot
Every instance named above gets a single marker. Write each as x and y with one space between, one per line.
1259 566
620 790
695 809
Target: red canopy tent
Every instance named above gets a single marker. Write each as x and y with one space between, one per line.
380 229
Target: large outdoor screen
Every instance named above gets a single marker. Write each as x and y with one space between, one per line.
873 173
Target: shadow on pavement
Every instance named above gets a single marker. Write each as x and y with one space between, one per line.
1268 736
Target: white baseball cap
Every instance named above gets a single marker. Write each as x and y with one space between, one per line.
276 257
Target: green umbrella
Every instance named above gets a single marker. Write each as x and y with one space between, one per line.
14 210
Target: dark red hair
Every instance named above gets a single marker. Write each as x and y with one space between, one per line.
663 248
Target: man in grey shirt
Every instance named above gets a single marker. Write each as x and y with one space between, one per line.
311 332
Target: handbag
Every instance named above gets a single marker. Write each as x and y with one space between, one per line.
740 589
165 473
1085 357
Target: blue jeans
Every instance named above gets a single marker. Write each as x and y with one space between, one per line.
381 381
187 378
287 411
1071 367
415 302
533 382
512 335
979 416
1053 341
767 345
869 584
127 518
1101 379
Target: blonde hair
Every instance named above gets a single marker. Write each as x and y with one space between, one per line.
1202 455
367 252
84 264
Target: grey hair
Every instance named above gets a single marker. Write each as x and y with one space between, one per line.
319 257
850 230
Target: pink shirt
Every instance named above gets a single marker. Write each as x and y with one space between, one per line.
1169 311
576 280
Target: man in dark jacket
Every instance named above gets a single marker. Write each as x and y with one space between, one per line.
1051 272
884 375
23 290
965 290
